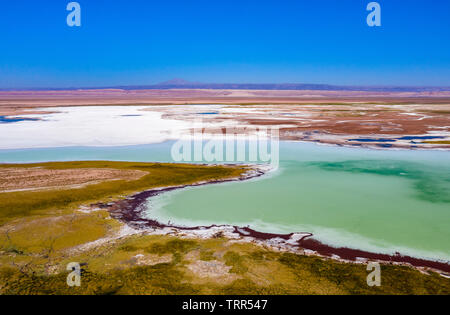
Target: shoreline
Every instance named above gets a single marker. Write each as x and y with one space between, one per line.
129 211
320 143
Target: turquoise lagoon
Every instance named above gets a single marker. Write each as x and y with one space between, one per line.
377 200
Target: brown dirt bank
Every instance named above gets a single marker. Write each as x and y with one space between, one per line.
15 179
336 123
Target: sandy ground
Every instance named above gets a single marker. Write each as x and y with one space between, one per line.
19 179
14 102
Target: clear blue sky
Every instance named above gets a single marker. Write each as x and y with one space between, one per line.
144 42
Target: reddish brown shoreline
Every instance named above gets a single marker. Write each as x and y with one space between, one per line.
130 212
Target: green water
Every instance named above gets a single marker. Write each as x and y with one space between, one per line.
377 200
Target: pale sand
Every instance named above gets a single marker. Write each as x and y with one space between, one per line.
20 179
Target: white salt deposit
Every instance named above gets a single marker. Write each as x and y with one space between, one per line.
92 126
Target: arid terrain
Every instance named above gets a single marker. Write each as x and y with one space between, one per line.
16 100
20 179
52 214
383 119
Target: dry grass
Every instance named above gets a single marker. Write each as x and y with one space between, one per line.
170 265
16 179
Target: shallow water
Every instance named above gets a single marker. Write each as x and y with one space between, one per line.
383 201
11 120
377 200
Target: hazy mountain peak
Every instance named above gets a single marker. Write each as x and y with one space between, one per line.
177 81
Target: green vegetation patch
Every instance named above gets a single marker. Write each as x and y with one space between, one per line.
255 270
25 203
236 261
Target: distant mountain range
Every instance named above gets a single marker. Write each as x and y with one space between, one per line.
183 84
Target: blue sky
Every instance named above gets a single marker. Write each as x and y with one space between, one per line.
144 42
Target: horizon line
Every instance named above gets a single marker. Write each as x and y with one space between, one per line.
184 84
